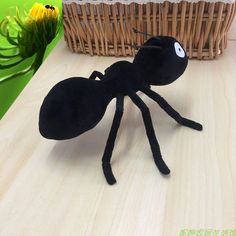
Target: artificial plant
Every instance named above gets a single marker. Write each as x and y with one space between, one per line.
27 36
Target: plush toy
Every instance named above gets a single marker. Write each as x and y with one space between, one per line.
76 105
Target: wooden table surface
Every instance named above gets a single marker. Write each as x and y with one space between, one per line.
52 188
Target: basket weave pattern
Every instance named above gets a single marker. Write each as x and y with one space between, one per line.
107 29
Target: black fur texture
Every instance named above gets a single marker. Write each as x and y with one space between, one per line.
76 105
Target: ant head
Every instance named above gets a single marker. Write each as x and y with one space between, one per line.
161 60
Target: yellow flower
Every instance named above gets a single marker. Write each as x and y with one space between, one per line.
42 24
39 12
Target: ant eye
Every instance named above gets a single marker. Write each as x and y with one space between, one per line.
179 50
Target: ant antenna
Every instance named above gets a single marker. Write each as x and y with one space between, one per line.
146 34
144 46
139 32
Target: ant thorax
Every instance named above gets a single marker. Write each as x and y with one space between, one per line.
122 77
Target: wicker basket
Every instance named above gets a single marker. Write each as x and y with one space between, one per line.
107 29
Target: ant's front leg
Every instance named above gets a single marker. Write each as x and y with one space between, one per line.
161 165
96 74
106 159
170 111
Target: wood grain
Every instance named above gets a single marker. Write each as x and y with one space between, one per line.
52 188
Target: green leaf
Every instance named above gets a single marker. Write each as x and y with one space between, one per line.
24 25
9 56
7 48
39 58
3 27
18 20
10 39
11 76
21 41
5 60
7 66
9 60
37 35
21 25
59 25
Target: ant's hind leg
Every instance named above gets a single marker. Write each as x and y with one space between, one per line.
106 159
170 111
96 74
161 165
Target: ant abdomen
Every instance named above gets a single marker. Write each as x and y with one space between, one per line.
72 107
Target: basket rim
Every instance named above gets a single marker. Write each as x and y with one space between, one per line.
128 2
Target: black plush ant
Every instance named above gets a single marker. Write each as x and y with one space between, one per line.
77 104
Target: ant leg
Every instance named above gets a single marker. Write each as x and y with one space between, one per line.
96 74
170 111
106 165
161 165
